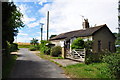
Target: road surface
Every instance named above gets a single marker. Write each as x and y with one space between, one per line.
28 65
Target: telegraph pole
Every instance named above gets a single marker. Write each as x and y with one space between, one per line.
41 29
118 37
47 25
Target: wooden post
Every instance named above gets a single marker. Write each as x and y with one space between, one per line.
63 53
63 50
47 25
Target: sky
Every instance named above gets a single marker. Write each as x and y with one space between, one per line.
65 16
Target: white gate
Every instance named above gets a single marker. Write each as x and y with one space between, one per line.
77 54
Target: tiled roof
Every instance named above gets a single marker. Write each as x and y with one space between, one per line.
79 33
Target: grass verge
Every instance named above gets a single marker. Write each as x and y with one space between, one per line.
81 70
23 46
7 65
48 57
95 70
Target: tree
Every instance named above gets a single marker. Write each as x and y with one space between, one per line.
11 18
34 41
78 44
52 36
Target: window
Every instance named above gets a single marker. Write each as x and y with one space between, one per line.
109 46
99 45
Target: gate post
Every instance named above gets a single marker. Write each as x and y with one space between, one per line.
63 52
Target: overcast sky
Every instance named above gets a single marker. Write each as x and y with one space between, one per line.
65 15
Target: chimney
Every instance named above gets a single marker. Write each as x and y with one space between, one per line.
85 24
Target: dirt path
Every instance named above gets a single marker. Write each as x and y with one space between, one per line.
28 65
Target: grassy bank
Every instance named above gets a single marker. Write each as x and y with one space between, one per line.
96 70
7 65
81 70
48 57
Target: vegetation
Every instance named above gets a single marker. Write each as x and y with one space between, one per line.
44 48
88 44
78 44
11 22
113 61
34 41
7 65
81 70
95 57
13 47
56 51
34 47
48 57
52 36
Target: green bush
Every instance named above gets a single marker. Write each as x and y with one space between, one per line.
43 48
13 47
113 61
95 57
34 47
56 51
47 50
78 44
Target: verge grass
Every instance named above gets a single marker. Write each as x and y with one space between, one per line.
81 70
49 57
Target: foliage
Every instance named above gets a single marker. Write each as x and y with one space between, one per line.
81 70
78 44
52 36
13 47
118 50
48 57
34 41
88 44
11 22
95 57
7 65
114 64
56 51
34 47
43 48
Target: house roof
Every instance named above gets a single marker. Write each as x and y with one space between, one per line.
79 33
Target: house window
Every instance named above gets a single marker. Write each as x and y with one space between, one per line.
109 46
99 45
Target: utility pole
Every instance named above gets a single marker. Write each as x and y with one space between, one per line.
41 24
118 37
16 39
47 25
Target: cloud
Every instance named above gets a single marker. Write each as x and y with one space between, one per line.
24 9
65 15
23 39
23 34
30 25
42 1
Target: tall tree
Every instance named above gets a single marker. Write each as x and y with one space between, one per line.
34 41
52 36
11 19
